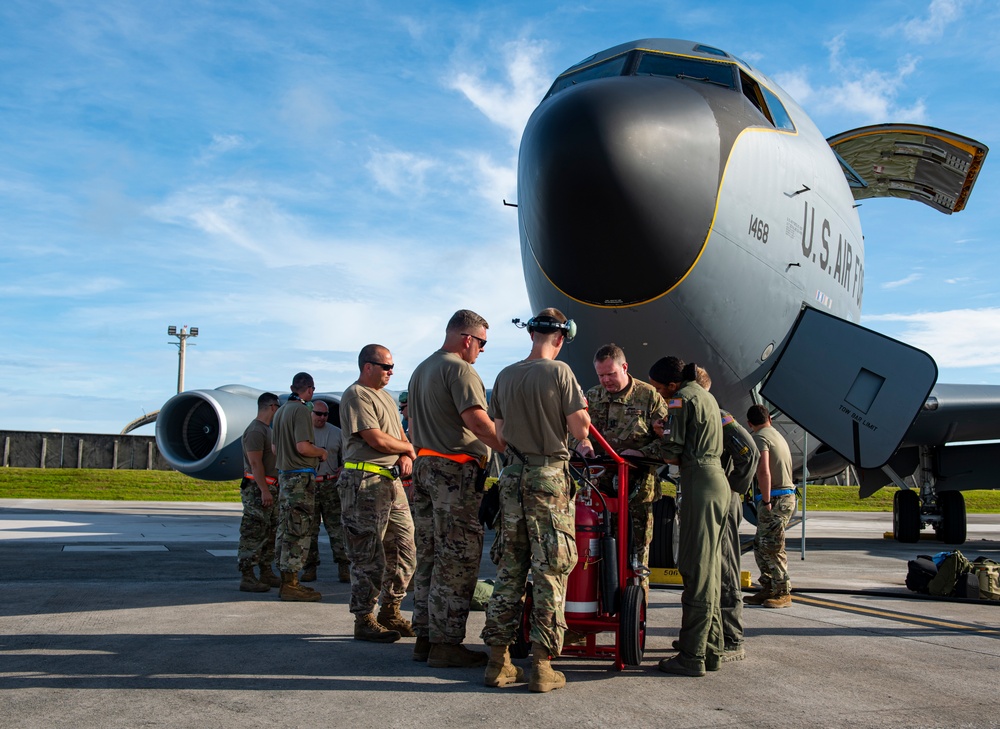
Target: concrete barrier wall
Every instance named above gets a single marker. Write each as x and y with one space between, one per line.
23 449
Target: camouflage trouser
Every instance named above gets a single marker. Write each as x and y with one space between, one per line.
378 535
400 549
259 526
641 522
769 544
449 546
642 493
731 603
537 531
706 501
327 511
296 513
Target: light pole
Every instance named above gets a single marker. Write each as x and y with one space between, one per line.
182 335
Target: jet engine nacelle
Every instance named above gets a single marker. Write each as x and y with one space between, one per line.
199 431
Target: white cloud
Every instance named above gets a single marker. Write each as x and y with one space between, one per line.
867 92
956 338
401 173
903 281
508 104
860 91
932 26
220 145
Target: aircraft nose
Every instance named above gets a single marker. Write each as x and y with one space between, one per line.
617 183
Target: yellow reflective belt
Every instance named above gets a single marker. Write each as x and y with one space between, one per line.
369 468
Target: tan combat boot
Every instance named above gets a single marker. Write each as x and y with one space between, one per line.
543 677
292 591
367 628
390 618
268 577
758 598
448 655
250 583
344 571
500 671
308 574
782 600
422 649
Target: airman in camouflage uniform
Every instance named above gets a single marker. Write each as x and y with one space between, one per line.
297 457
378 528
259 526
623 409
446 401
328 436
775 506
536 404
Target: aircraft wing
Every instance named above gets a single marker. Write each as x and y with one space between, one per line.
932 166
957 413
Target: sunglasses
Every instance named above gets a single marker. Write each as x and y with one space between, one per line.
482 342
321 415
383 365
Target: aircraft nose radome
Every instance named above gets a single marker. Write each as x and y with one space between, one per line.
617 187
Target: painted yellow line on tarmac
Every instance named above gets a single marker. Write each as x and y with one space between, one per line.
891 615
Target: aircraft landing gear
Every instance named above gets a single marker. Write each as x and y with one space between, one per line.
911 511
951 529
906 522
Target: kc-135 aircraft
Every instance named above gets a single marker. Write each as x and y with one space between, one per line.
674 200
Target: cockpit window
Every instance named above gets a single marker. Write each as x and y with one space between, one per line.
689 69
778 113
766 102
611 67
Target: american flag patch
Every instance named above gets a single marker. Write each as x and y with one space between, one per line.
675 403
727 419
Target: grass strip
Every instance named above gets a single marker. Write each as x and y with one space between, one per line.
133 485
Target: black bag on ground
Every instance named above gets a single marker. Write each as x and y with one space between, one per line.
919 573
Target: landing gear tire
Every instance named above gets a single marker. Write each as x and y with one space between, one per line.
906 516
953 525
632 625
522 646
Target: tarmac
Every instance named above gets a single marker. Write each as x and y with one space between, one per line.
128 614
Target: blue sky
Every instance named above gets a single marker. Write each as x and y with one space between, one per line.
298 179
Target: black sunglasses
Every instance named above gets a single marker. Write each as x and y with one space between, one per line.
321 414
482 342
383 365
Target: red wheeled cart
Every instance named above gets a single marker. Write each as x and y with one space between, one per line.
604 593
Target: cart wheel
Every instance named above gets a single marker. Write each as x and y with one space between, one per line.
522 646
632 625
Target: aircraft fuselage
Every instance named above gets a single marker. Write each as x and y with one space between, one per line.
685 205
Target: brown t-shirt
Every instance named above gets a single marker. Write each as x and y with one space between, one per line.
442 387
363 408
293 424
257 437
533 398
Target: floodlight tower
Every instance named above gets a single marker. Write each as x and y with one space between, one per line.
182 335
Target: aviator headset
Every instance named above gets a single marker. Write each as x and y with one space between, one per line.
548 325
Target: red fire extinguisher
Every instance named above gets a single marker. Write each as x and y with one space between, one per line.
581 587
